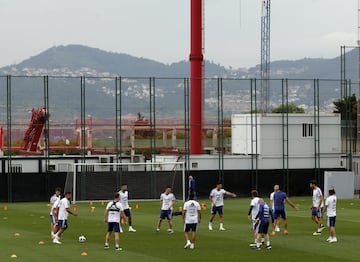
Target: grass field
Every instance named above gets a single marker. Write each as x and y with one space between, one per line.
31 221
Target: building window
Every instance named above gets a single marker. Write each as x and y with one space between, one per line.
307 130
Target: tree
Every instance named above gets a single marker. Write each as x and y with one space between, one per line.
346 107
290 108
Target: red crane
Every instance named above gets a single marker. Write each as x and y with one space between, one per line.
35 129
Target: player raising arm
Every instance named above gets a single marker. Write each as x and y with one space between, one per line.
217 203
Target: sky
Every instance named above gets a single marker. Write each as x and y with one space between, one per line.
160 29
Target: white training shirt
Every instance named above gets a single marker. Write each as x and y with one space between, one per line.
53 199
331 206
63 205
115 209
317 197
255 204
217 196
55 205
124 199
167 200
192 207
272 199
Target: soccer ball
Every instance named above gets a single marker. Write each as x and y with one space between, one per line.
82 239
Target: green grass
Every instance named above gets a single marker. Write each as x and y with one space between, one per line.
31 221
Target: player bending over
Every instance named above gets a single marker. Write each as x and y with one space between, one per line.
217 204
113 212
167 201
191 217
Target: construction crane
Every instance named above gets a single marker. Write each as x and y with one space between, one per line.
265 55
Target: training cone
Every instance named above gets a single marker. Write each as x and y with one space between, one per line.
5 208
102 203
13 256
92 209
75 207
180 209
17 234
41 242
91 203
137 206
84 254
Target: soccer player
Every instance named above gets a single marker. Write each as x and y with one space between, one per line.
64 211
54 198
167 201
124 200
192 190
112 215
217 204
253 211
330 208
262 219
279 208
271 204
191 217
316 208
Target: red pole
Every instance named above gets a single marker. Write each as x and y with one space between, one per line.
196 71
1 138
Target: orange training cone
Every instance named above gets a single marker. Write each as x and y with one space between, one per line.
137 206
75 207
92 209
5 208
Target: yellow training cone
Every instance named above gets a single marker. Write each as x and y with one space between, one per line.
41 243
17 234
13 256
84 254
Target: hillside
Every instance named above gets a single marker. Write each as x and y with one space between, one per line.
66 63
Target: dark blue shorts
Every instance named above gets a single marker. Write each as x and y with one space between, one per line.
52 220
331 221
263 227
190 227
316 213
127 212
165 214
63 224
218 210
279 213
114 226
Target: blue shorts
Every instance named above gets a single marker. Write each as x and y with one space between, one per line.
114 226
262 228
279 213
165 214
331 221
127 212
63 224
316 213
218 210
52 220
190 227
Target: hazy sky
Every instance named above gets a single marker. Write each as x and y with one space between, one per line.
159 29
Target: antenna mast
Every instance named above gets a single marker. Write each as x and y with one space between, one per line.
265 55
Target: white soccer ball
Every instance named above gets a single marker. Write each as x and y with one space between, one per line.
82 239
